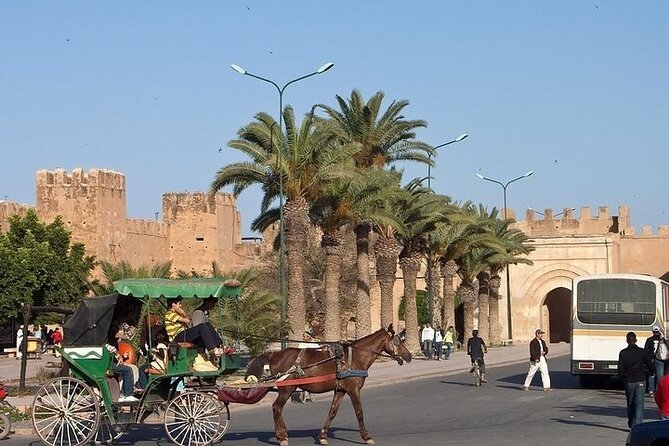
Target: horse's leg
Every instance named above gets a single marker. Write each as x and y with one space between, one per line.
334 407
280 429
354 394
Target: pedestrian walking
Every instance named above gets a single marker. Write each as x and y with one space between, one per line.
634 365
657 349
427 336
448 341
538 352
438 342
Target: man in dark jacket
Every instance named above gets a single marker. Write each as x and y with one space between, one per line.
634 365
651 347
538 352
475 349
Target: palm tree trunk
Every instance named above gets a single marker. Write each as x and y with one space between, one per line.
467 294
484 305
410 266
495 329
363 318
332 247
296 237
386 250
435 287
449 271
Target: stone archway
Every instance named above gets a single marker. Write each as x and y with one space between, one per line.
558 308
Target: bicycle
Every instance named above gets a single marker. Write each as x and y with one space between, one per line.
478 376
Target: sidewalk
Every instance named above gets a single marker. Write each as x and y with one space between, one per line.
383 372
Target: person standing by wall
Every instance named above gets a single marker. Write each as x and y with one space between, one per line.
656 346
633 366
427 337
448 340
538 352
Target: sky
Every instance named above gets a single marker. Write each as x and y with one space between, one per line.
574 90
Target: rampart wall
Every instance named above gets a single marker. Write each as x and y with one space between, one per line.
197 228
8 208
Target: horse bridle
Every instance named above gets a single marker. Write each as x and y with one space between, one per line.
395 342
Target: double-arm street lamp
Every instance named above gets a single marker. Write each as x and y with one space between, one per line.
554 216
508 282
430 297
282 253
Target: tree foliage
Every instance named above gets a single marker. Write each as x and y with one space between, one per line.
40 265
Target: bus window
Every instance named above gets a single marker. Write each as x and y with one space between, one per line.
607 301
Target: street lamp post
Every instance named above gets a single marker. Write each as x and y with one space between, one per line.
282 253
430 296
508 281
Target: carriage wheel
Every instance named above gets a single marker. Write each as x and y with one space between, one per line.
65 411
225 422
107 432
193 419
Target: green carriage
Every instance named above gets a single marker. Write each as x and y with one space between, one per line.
83 406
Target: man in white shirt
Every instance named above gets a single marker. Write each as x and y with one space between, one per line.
427 336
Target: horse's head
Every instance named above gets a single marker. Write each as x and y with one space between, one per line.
394 346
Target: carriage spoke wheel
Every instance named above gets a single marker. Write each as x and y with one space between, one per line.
65 412
107 432
225 421
193 419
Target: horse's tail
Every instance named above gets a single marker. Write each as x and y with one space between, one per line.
258 365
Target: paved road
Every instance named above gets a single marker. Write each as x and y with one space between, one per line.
446 409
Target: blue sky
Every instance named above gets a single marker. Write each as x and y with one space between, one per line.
575 90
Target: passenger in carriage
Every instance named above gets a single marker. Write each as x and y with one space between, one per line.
126 375
159 356
179 329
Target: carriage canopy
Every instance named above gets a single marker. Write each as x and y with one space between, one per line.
90 323
185 288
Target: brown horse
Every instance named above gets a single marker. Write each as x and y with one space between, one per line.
359 355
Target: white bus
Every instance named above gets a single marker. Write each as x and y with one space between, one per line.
606 307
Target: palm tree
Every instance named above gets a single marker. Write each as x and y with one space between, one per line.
450 240
302 158
124 270
472 262
420 214
512 249
379 138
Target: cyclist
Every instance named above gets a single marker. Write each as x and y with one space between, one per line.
475 349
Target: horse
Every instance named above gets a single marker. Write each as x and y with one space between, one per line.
357 356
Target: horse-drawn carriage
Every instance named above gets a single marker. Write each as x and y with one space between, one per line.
84 406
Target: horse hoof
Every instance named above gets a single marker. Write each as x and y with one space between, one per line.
370 441
323 441
283 443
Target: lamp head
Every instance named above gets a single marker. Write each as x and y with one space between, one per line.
238 69
480 176
528 174
325 68
461 137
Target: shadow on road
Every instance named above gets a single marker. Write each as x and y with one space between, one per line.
589 424
268 437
